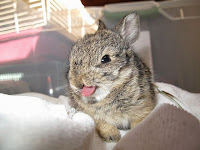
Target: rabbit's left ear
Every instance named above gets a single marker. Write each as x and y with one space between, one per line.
129 28
101 25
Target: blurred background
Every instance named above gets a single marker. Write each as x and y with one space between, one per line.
36 37
104 2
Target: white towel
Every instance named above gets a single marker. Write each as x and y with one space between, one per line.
29 123
32 123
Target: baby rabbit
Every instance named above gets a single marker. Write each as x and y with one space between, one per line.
108 81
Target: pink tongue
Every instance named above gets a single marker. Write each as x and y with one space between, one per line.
87 91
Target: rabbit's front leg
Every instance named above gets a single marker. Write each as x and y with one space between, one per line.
108 132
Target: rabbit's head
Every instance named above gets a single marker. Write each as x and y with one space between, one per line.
97 60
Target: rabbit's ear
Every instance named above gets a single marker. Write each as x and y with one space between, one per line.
129 28
101 25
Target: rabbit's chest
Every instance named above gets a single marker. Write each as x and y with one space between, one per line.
101 93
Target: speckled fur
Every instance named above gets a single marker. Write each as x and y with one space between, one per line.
130 96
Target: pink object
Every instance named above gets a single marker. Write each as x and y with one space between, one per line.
87 91
17 46
32 44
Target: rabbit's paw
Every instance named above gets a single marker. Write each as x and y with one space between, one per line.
109 133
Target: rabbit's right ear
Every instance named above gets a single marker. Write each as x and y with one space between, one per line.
129 28
101 25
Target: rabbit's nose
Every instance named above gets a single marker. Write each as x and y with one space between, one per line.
80 86
86 80
77 85
77 82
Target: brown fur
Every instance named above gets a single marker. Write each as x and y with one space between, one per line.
127 79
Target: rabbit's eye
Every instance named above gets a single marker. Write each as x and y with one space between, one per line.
105 59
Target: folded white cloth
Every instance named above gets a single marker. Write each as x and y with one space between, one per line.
190 102
29 123
32 123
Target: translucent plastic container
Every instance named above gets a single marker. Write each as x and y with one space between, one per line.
36 37
174 29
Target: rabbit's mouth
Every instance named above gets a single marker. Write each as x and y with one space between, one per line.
88 90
